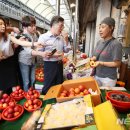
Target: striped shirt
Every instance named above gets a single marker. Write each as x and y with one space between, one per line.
53 42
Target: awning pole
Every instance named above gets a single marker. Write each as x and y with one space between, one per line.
75 37
57 7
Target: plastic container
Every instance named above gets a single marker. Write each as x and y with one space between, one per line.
17 98
0 116
21 110
116 102
31 110
120 108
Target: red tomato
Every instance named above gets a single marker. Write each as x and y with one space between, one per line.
20 90
71 90
17 87
30 92
5 105
63 94
34 91
10 116
30 102
86 92
36 95
16 92
12 104
5 96
10 110
7 100
30 107
26 104
77 90
2 100
16 114
65 91
35 106
35 101
81 87
5 113
16 109
31 88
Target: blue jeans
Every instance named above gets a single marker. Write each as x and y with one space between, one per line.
28 75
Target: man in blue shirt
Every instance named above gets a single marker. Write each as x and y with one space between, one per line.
53 66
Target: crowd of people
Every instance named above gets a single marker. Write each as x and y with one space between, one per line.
19 48
18 53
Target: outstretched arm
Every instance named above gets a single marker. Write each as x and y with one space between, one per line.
109 64
24 43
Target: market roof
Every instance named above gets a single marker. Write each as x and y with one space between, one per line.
47 8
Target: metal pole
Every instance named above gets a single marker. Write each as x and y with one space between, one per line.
75 32
70 24
57 7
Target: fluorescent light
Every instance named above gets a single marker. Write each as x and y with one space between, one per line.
73 13
72 5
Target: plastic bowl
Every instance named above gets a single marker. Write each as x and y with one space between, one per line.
21 110
0 116
26 95
17 98
120 108
31 110
116 102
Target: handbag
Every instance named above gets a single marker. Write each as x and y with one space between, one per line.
97 57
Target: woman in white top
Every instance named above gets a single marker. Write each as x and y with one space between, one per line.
7 73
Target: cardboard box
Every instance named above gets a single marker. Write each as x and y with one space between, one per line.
106 117
89 82
88 115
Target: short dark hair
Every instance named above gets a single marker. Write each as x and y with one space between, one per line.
23 35
109 21
56 19
28 21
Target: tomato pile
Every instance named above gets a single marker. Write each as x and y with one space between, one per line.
5 101
18 94
12 112
32 94
31 105
39 76
78 91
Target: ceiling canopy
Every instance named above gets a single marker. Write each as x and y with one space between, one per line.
47 9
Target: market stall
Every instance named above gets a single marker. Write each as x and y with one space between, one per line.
53 102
